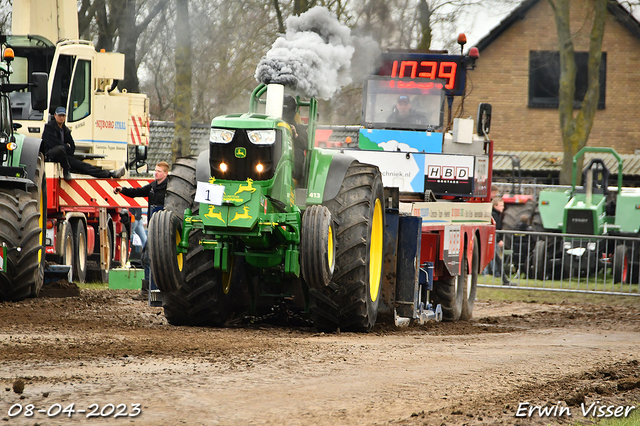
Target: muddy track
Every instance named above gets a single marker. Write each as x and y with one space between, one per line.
103 347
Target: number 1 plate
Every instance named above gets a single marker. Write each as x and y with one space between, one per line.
209 193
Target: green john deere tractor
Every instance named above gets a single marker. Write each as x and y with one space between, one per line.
23 205
583 212
246 227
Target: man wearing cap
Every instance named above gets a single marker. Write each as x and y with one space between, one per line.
403 113
59 147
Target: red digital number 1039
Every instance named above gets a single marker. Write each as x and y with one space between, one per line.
426 69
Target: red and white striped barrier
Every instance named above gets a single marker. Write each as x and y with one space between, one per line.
99 193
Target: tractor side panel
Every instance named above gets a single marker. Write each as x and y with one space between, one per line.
326 173
628 212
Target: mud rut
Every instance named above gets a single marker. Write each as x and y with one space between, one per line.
103 347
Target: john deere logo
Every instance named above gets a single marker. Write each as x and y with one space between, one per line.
241 152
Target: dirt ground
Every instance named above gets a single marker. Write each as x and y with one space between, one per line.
104 348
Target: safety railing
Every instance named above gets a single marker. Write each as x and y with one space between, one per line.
565 262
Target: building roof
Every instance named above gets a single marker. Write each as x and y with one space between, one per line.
614 7
552 161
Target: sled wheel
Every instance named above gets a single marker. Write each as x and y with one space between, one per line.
358 212
80 252
317 254
166 263
621 264
22 222
449 292
471 282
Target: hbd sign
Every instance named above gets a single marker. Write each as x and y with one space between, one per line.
447 173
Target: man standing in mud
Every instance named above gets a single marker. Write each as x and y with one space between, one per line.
155 192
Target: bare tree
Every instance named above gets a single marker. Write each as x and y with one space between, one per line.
576 127
231 37
5 17
120 23
180 146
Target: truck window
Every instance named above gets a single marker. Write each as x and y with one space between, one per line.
399 104
80 102
61 81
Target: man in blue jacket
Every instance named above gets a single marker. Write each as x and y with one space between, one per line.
59 148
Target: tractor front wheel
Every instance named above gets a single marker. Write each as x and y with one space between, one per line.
166 263
193 291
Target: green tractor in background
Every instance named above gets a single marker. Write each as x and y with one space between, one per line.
591 210
23 194
246 227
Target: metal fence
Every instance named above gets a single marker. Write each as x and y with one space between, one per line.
526 188
565 262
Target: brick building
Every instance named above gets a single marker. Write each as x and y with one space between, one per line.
508 77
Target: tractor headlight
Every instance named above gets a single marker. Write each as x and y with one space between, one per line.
221 135
591 246
567 245
262 137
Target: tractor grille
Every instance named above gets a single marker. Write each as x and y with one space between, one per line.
242 168
580 222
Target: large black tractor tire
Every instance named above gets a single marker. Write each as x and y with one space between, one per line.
181 187
204 296
513 213
166 263
23 216
317 247
80 252
621 265
358 213
207 296
470 282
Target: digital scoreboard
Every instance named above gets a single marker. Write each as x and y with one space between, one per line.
425 71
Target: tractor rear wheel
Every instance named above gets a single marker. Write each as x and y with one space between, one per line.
471 282
203 295
23 216
358 212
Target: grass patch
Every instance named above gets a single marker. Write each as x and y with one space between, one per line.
93 286
632 420
513 294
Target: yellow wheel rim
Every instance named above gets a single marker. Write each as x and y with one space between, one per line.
330 258
375 251
179 257
226 277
